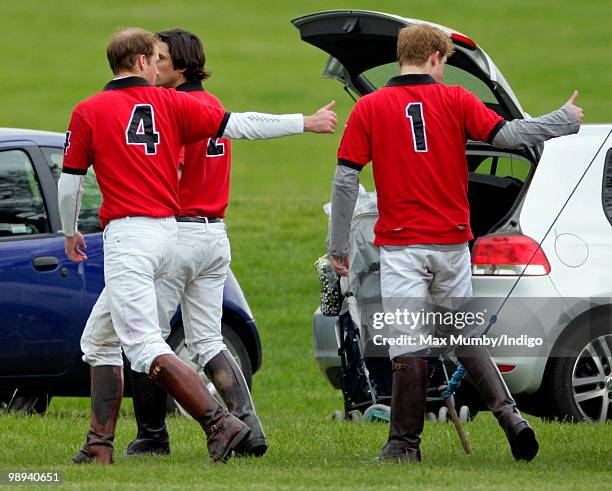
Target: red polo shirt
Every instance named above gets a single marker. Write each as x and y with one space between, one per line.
132 133
414 131
204 187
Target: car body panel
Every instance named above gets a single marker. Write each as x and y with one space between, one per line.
326 343
578 244
51 325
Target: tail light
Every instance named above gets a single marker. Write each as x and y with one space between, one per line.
508 255
505 368
464 41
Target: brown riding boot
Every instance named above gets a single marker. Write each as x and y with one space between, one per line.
225 432
485 376
408 396
226 376
106 395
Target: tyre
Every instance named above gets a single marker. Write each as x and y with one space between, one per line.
580 384
443 416
377 413
26 404
464 414
235 346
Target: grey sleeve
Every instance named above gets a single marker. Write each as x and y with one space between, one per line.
533 131
345 190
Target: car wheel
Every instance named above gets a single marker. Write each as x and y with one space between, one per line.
235 346
581 385
443 416
26 405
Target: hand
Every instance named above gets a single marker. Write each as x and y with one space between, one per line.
323 121
340 265
73 248
576 109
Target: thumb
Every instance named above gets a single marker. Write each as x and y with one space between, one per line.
329 106
573 98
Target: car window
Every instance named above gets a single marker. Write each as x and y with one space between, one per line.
92 198
22 207
500 166
380 75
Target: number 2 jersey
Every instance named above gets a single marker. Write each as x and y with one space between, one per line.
204 187
132 133
414 132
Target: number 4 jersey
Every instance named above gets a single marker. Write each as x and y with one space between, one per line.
132 133
414 132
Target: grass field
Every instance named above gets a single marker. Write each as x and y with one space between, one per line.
54 56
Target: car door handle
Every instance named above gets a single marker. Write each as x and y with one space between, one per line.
45 263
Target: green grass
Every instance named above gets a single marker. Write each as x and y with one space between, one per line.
53 57
309 452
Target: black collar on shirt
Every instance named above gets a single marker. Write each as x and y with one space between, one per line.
190 87
126 83
411 79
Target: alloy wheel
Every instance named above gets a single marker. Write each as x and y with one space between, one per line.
592 379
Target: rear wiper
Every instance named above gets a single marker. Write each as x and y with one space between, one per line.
346 88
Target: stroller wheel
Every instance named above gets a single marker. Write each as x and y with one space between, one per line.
355 416
464 414
378 413
337 416
431 416
443 414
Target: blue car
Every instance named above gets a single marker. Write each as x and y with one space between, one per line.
45 299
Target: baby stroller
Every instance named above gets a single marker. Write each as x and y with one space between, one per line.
366 368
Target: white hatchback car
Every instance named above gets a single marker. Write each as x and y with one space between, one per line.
542 217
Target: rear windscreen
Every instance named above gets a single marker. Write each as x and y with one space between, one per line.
380 75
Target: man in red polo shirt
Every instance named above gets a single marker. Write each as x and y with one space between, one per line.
199 269
414 131
133 133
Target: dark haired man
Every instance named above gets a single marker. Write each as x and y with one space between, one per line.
414 131
133 133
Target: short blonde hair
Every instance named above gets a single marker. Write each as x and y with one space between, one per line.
415 44
126 45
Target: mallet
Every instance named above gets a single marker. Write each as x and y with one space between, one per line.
453 414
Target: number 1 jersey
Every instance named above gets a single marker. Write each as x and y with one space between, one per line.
414 132
132 134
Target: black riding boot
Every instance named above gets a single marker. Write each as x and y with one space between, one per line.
408 398
485 376
227 378
150 410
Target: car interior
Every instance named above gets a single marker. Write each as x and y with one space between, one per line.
22 208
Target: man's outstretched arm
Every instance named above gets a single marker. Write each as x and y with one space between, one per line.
533 131
257 126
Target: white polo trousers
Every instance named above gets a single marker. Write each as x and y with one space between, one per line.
137 254
195 278
99 342
411 277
